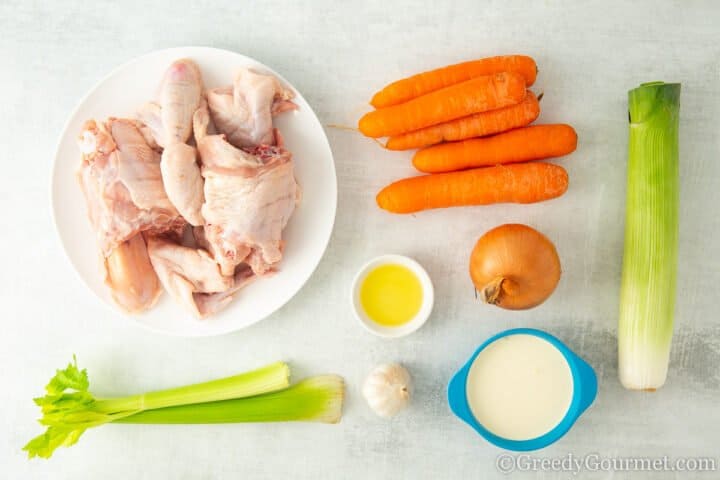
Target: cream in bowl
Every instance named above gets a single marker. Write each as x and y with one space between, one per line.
392 296
522 389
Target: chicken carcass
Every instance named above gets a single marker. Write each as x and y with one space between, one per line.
249 198
192 277
170 124
120 177
244 110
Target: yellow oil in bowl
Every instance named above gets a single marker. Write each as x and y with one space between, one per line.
391 295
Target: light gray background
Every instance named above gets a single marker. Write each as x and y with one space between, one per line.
337 54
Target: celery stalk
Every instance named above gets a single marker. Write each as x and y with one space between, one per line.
272 377
316 399
647 293
68 408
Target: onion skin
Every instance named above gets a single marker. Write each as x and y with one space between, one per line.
514 267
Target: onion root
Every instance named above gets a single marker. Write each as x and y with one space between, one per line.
492 291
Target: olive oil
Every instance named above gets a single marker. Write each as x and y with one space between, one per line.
391 295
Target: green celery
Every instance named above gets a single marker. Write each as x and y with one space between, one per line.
69 409
316 399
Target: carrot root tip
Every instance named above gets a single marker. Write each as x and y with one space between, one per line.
342 127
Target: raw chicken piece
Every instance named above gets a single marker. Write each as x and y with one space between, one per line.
169 122
151 125
249 198
138 166
244 110
120 177
130 276
193 278
210 303
170 119
182 180
180 95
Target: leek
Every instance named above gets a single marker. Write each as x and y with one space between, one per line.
68 408
647 293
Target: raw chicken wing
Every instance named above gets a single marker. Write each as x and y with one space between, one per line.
192 277
244 111
182 180
169 122
170 119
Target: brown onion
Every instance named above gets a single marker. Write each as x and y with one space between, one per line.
514 266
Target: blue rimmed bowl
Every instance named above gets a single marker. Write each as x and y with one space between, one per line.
584 392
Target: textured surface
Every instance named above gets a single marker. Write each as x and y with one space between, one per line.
337 54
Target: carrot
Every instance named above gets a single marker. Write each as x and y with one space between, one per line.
477 95
422 83
519 145
477 125
521 183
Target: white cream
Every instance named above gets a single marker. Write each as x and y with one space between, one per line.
519 387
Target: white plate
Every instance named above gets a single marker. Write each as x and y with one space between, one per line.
307 234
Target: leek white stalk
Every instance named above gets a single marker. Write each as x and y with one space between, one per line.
647 298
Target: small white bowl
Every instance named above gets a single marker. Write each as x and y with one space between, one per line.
425 308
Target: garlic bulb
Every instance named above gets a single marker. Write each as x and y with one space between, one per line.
387 389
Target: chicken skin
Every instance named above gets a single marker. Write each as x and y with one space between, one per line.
249 198
120 177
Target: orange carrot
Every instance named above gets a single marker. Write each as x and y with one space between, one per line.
521 183
422 83
477 95
477 125
519 145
